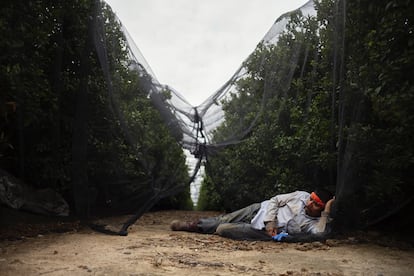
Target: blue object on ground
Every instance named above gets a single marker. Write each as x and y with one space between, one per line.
280 236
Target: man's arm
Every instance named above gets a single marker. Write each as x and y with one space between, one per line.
320 227
270 217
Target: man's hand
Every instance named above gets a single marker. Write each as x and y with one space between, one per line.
271 228
329 205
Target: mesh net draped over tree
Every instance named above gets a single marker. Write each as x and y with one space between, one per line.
322 102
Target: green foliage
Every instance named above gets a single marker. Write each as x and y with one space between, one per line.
289 147
209 199
48 60
343 119
328 102
379 57
181 201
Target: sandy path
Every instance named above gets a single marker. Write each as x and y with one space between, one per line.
152 249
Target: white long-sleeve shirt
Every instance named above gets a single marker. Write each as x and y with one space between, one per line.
288 210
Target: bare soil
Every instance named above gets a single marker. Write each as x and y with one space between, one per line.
50 247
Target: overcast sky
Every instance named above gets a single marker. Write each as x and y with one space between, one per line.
195 46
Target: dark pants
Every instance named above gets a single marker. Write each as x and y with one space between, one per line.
235 225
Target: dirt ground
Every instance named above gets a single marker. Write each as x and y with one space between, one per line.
36 247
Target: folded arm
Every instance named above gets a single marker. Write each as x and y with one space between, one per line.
270 218
320 227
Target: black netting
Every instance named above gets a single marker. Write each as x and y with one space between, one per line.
324 101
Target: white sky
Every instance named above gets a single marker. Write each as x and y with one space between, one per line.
195 46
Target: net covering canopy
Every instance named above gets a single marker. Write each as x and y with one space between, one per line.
324 101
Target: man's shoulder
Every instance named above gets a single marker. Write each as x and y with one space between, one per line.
302 194
296 195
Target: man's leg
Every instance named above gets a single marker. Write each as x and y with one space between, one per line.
189 226
209 225
242 231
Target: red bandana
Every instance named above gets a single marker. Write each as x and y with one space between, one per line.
316 198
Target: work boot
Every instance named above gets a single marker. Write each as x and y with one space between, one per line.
189 226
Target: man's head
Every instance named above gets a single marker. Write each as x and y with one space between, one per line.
316 202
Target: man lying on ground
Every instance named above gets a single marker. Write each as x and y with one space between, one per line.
294 213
